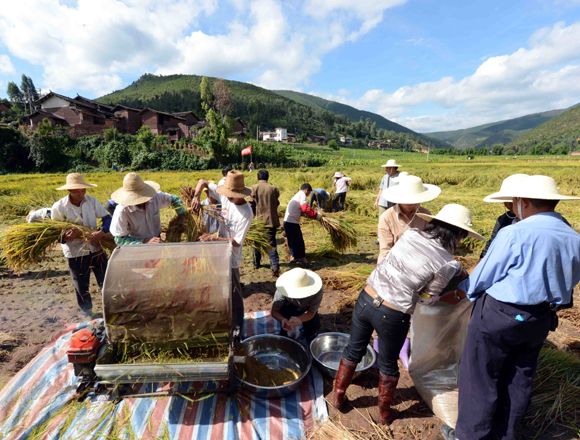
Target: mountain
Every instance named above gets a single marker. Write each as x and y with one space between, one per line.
299 112
502 132
563 129
354 114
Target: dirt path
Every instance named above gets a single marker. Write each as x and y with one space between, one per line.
37 304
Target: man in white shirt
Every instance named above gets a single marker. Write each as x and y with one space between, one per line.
388 180
296 207
136 218
341 182
82 256
237 215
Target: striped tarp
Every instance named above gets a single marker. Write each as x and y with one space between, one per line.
40 402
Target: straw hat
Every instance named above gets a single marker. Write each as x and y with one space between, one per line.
299 283
535 187
391 163
338 175
411 189
135 191
455 215
507 185
234 186
76 181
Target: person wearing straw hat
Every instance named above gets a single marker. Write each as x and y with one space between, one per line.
296 302
237 215
136 219
507 218
406 198
82 257
417 269
529 266
341 182
388 180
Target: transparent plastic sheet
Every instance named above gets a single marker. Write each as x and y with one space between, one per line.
168 292
438 335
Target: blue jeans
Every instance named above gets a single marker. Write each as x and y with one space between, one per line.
338 197
391 326
274 259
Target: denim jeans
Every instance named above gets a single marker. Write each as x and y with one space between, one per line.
80 271
391 326
295 240
274 259
338 197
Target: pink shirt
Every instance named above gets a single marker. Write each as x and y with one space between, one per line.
342 184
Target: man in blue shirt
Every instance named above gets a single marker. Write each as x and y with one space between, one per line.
530 265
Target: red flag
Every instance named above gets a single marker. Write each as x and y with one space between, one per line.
247 151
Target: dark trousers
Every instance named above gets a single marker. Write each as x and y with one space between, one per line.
497 367
274 260
338 197
319 198
80 271
391 326
295 240
237 300
311 328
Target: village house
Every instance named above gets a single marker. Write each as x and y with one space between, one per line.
131 120
345 140
380 144
164 123
5 106
281 134
321 140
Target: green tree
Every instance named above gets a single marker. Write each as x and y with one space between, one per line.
206 94
497 149
15 94
29 92
223 98
333 145
47 146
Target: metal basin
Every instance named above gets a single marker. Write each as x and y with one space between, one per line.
276 352
327 348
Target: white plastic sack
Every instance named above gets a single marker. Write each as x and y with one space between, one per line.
438 335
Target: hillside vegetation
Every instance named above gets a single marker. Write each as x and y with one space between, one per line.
502 132
563 130
268 110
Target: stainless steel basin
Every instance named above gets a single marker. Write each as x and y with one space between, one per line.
327 348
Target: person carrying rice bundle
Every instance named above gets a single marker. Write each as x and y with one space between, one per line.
407 197
137 219
528 267
83 257
417 269
237 215
296 302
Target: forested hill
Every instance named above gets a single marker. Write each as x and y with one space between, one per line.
268 109
563 130
502 132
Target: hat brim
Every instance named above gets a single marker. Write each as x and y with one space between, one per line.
391 166
132 198
153 185
222 190
395 195
77 186
537 196
313 287
497 197
470 232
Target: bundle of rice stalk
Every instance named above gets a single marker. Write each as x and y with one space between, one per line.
334 429
341 232
324 251
192 227
556 392
258 236
187 193
24 244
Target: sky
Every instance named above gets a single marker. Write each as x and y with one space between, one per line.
428 65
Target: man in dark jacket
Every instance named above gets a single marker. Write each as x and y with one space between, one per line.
265 202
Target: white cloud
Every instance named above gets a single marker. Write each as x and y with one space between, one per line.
541 77
6 67
91 45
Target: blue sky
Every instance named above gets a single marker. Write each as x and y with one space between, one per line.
429 65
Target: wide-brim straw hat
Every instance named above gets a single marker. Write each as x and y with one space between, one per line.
536 187
338 175
135 191
234 186
455 215
391 163
508 184
76 181
299 283
411 190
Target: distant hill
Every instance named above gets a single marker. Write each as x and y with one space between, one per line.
563 129
299 112
502 132
354 114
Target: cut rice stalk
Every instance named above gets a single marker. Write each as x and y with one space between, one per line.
342 233
258 236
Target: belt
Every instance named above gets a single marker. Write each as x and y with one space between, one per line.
377 300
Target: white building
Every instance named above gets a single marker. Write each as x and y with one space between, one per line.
268 135
281 134
345 140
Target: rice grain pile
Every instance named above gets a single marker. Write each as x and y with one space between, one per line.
24 244
255 372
